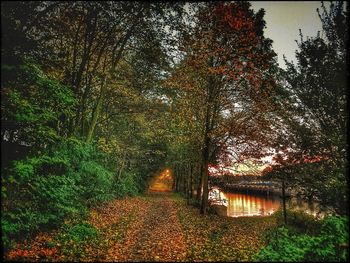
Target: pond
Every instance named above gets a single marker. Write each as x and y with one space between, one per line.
248 204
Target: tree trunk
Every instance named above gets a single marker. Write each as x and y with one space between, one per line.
122 166
174 178
200 185
205 151
191 181
96 112
205 163
177 177
284 202
184 179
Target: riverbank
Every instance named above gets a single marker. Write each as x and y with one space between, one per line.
153 227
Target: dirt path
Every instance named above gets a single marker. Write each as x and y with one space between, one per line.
155 232
161 237
154 235
158 226
152 230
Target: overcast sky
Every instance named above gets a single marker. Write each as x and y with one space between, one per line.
283 20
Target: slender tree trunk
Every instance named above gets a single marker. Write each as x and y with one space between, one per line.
178 182
75 52
191 181
122 166
88 41
200 185
96 112
284 202
181 178
174 178
184 179
89 78
205 163
177 179
188 186
205 151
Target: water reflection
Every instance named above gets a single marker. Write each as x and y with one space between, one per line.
239 204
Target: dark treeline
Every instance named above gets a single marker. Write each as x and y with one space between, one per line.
97 97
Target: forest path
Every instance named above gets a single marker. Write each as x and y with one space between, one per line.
154 235
157 226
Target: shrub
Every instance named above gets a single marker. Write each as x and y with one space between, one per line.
96 182
127 185
41 191
299 222
38 193
78 233
327 245
73 239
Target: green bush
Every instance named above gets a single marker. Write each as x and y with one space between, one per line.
37 194
327 245
127 185
74 238
96 182
78 233
41 191
299 222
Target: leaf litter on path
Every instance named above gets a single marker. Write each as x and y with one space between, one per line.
153 227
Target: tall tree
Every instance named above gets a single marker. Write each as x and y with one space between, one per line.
225 76
312 100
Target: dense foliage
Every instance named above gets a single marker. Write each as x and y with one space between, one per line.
98 97
76 109
34 105
312 118
328 244
57 185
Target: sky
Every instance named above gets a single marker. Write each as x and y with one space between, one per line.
283 20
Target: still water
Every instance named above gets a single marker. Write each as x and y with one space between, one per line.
240 204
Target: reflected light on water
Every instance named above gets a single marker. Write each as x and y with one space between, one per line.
239 204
